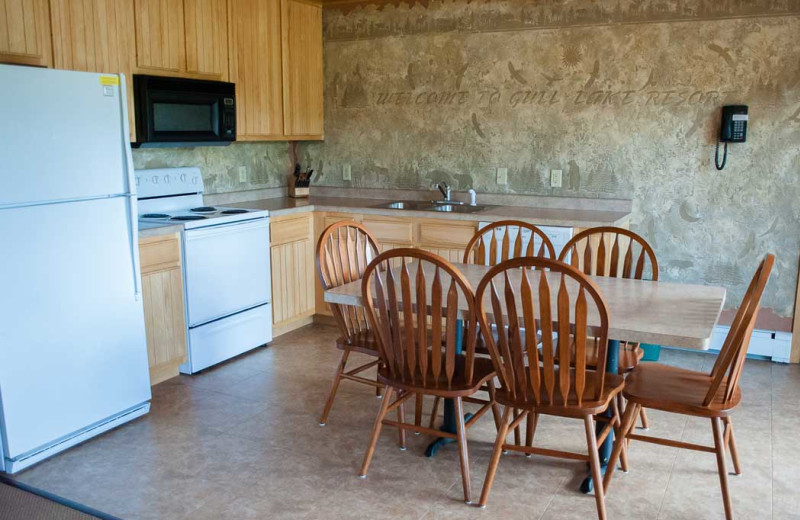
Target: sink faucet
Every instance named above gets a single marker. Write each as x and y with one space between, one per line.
445 189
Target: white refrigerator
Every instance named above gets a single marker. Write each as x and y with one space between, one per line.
73 356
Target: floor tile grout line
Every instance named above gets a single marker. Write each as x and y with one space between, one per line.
671 471
553 497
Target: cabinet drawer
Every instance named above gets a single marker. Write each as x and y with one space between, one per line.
159 253
395 231
445 234
333 219
291 230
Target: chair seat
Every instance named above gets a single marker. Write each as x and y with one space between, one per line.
613 385
483 371
363 342
676 390
629 356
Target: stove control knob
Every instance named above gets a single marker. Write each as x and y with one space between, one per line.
166 179
137 181
155 179
194 180
183 177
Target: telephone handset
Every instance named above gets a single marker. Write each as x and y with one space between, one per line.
733 130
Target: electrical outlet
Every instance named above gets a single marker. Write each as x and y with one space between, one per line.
242 173
502 176
555 178
347 173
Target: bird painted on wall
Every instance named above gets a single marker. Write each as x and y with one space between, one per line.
516 74
593 76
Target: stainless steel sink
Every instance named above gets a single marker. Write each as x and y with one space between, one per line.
436 205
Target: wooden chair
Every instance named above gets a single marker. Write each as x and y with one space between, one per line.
618 253
414 314
712 395
519 293
343 252
491 251
483 250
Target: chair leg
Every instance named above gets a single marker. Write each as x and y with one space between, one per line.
530 429
495 406
376 432
643 418
334 387
731 443
463 454
379 389
401 432
498 449
594 463
628 422
417 411
434 412
719 446
517 430
623 461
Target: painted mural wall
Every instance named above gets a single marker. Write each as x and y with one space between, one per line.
624 96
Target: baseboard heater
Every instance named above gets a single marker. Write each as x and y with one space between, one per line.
774 345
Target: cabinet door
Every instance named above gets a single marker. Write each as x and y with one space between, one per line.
207 38
292 282
25 32
160 36
255 67
164 317
95 36
302 69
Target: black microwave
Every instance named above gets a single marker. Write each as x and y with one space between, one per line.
183 112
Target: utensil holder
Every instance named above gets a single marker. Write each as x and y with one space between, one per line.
298 193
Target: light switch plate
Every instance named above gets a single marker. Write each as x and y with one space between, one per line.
242 173
555 178
347 173
502 176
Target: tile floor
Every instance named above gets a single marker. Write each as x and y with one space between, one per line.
241 441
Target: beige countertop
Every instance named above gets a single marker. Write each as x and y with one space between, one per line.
550 216
147 230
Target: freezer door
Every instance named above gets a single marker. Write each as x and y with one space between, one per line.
63 135
72 339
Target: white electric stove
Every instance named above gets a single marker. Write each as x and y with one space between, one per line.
227 280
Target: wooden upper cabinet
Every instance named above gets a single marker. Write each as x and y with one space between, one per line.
25 32
160 36
207 38
95 36
302 69
256 68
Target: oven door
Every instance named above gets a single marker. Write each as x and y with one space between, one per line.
227 269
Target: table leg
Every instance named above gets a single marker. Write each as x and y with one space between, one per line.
449 424
612 367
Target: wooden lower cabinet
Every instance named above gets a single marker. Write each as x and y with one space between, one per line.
293 272
165 320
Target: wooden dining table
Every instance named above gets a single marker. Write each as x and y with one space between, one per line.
641 311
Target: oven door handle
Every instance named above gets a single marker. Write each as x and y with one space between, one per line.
200 233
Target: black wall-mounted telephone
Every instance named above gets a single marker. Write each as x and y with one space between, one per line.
733 130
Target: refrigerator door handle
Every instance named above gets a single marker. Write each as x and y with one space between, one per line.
133 236
133 218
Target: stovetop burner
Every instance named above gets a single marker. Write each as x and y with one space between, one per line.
188 217
204 209
234 211
155 215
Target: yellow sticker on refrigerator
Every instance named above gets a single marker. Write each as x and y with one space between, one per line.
109 80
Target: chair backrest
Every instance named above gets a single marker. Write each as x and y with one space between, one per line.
730 361
547 295
489 250
343 252
413 310
611 251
